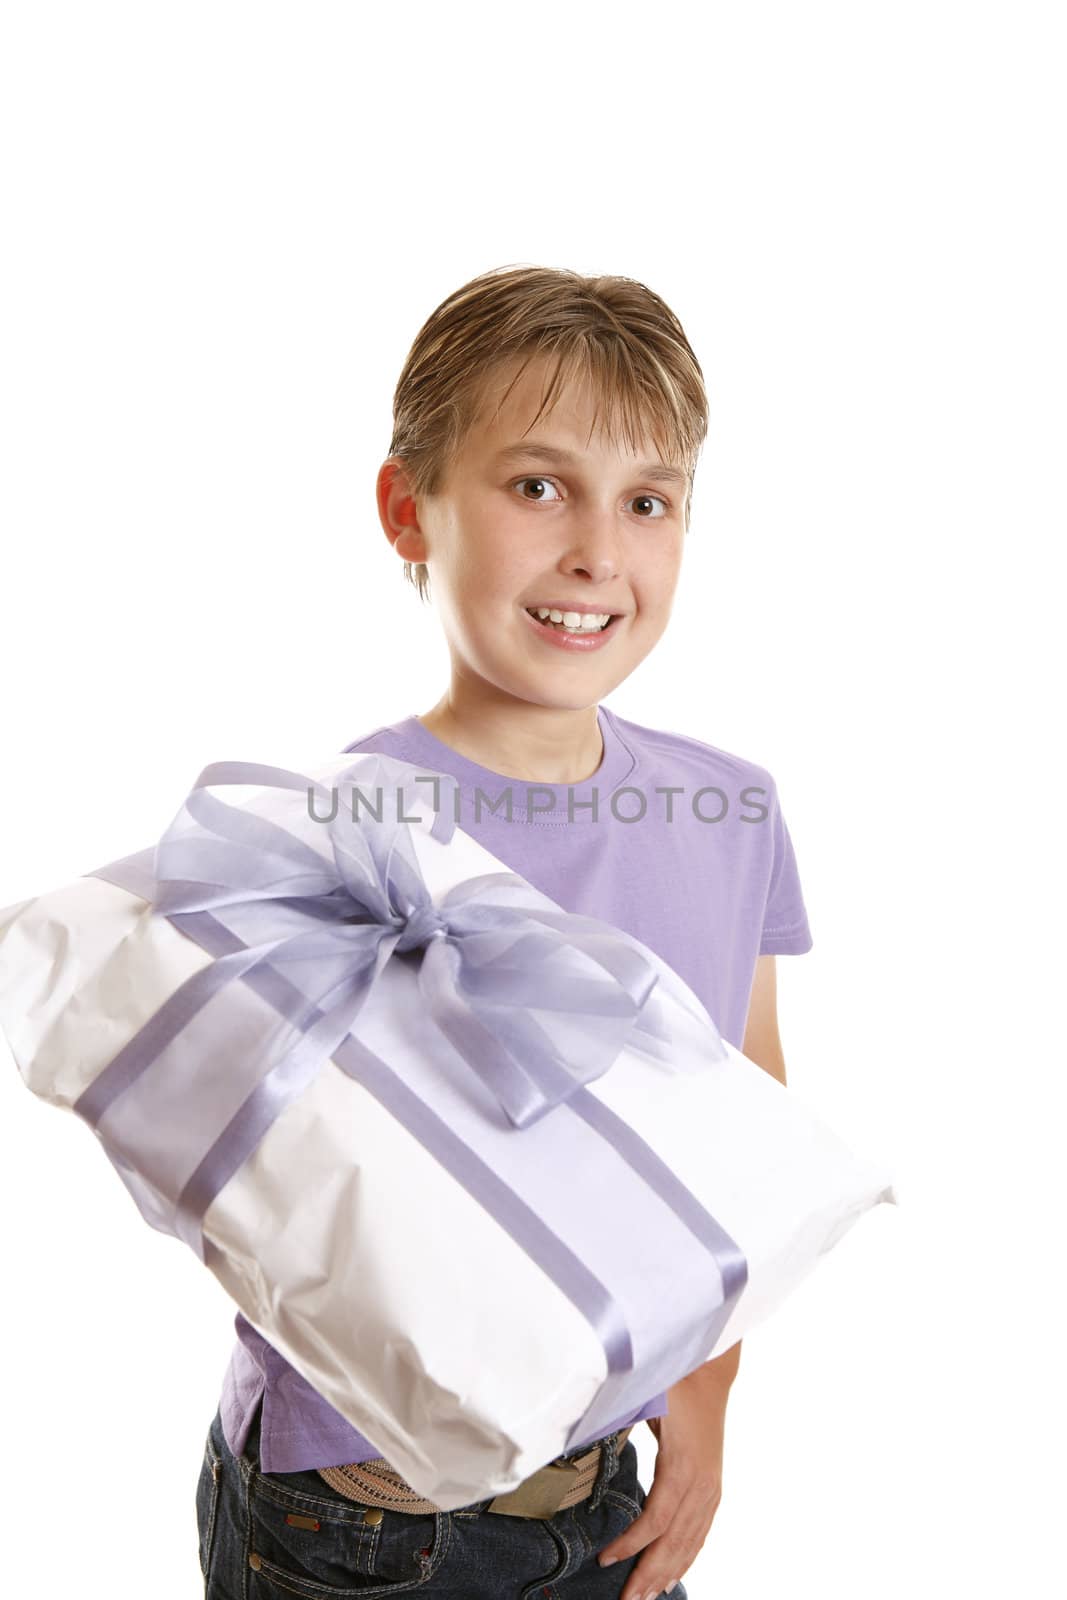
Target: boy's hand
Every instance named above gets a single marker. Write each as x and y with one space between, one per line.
687 1484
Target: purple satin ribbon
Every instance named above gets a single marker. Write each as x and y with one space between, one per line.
488 954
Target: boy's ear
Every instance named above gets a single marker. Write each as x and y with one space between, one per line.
398 511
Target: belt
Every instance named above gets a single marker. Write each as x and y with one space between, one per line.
562 1483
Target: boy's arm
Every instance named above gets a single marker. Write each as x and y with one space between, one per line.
762 1044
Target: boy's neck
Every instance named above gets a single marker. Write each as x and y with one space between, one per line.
532 744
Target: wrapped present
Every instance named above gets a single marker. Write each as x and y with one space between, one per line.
482 1170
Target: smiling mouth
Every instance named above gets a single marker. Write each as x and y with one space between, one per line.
580 628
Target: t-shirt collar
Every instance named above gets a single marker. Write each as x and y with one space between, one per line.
562 803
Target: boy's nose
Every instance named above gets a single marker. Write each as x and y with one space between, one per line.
596 551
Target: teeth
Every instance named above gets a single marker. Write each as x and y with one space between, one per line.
575 621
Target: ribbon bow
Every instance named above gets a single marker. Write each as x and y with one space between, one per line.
537 1001
492 953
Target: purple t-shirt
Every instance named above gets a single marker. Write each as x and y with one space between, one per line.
678 843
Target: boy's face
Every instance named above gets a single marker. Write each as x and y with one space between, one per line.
560 518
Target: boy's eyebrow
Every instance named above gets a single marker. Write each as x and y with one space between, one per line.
653 470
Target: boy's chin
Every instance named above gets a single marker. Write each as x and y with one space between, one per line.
563 690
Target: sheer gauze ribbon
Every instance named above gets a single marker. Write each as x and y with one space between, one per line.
496 966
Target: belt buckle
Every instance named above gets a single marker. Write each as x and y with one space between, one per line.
541 1495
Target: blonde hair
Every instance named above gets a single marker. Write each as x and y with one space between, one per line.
612 330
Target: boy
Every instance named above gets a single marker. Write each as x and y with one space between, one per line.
546 433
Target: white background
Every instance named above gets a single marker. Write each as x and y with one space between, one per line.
224 225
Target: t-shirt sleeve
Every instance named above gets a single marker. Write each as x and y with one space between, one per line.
785 918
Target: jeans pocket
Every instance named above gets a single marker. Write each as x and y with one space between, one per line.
207 1505
319 1544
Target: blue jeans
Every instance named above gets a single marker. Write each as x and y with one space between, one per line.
250 1549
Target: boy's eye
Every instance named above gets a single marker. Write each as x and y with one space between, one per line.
644 499
542 482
